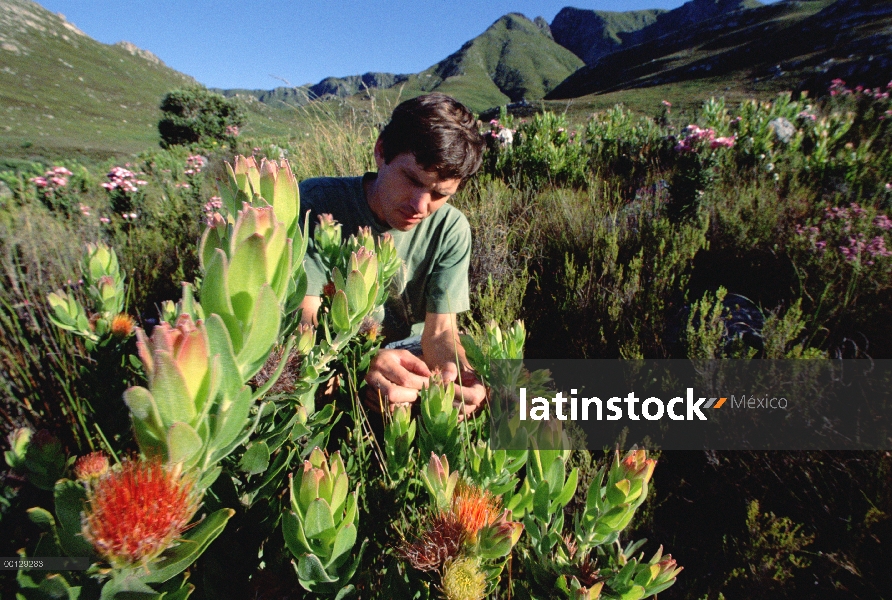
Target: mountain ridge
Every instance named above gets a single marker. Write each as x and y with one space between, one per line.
514 59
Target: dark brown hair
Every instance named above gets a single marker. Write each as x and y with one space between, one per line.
439 131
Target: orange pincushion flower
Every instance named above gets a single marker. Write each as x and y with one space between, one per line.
474 508
91 466
137 511
122 325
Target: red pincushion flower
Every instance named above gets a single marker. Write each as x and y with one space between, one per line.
137 511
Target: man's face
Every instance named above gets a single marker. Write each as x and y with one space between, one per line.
405 194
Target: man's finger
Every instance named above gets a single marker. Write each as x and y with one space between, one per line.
414 364
401 376
384 393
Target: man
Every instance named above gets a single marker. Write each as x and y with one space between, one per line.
429 148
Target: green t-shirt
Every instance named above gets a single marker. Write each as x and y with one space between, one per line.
436 253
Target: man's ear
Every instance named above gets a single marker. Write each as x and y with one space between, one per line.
379 153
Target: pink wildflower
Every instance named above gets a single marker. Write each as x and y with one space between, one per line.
215 203
883 222
877 247
722 142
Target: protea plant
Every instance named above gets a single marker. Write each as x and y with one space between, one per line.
320 528
611 504
467 535
196 406
104 286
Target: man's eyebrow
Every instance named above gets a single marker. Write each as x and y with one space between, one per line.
411 176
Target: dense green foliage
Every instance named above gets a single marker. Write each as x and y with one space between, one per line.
197 116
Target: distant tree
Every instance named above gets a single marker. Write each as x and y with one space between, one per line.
195 115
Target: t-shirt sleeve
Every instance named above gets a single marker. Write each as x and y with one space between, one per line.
447 290
316 275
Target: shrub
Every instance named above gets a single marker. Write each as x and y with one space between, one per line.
195 115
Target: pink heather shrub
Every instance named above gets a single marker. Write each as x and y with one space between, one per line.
852 232
194 164
210 210
52 180
694 135
123 180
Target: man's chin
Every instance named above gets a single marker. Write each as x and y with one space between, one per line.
407 224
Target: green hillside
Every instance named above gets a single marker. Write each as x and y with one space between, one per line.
63 93
514 59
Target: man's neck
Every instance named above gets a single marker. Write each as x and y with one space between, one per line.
370 189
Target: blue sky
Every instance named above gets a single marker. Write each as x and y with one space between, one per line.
265 44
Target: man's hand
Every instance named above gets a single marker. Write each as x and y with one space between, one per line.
470 392
443 350
395 377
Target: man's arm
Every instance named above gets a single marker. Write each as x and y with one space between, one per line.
309 310
442 350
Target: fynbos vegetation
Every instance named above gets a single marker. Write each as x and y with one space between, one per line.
171 420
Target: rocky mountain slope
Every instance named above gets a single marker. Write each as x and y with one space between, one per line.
590 34
803 43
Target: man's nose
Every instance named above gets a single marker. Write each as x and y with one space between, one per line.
420 200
